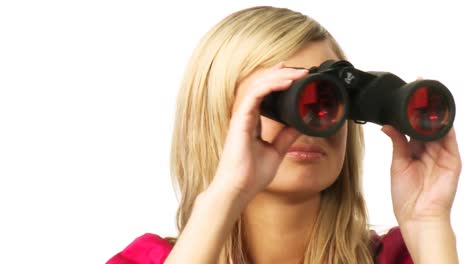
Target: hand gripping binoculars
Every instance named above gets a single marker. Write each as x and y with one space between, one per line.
318 104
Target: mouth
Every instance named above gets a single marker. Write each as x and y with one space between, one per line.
306 153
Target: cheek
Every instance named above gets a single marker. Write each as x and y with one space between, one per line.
270 128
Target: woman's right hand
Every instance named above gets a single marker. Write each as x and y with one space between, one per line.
248 163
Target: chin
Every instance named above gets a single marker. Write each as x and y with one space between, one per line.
301 179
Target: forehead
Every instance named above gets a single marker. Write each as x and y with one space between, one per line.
312 54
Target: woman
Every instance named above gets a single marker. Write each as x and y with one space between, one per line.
255 191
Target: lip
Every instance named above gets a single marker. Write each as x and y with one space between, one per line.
306 153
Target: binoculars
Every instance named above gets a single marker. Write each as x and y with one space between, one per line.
318 104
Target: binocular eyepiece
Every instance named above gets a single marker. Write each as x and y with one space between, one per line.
318 104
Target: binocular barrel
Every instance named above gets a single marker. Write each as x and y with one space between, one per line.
318 104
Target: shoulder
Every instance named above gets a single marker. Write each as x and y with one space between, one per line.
390 248
146 249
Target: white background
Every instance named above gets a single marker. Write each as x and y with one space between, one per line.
87 94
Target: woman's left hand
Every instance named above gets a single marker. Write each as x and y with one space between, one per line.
424 177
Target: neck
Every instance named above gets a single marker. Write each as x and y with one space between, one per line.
276 228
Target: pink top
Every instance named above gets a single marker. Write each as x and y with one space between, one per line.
152 249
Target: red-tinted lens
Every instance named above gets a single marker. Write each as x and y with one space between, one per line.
427 110
321 105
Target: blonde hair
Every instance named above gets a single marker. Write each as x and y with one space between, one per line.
243 41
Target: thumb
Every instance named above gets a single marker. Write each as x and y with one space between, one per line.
284 139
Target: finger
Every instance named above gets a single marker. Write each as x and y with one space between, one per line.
247 116
258 130
284 139
280 75
253 98
281 68
280 65
449 142
293 73
282 80
276 78
416 147
401 152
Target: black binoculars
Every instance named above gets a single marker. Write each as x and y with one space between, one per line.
318 104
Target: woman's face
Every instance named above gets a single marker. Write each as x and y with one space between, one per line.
303 172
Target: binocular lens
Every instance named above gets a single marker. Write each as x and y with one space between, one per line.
321 106
428 110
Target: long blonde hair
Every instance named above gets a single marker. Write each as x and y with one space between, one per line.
243 41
